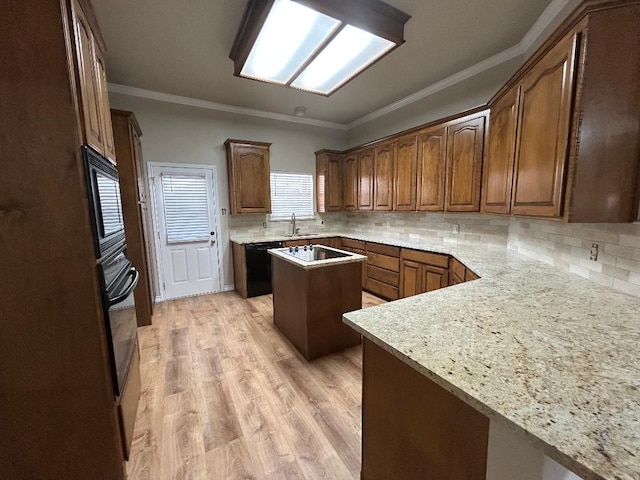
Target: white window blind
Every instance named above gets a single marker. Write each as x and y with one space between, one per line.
291 193
186 208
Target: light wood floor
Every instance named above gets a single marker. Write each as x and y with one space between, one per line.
225 396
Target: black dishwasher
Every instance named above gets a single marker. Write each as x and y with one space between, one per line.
259 267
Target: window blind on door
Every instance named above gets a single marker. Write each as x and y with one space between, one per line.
186 208
291 193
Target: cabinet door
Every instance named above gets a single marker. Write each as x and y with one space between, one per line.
465 145
334 174
350 182
543 132
383 171
404 175
249 168
434 278
432 146
89 88
410 278
365 180
105 111
498 163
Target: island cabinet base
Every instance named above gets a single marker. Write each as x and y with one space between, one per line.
308 305
414 429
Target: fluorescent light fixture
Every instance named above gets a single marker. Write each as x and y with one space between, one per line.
314 45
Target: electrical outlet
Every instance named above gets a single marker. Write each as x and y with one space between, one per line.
264 224
455 228
594 252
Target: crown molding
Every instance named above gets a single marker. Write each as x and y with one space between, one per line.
220 107
546 18
542 23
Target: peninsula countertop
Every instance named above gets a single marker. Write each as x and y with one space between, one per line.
550 355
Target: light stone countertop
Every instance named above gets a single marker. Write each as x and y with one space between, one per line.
550 355
350 258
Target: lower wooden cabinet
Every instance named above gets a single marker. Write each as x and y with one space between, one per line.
128 402
356 246
383 270
422 272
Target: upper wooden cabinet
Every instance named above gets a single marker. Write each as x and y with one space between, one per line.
92 83
570 120
329 181
383 174
365 179
249 176
465 147
350 182
543 135
432 150
404 174
497 176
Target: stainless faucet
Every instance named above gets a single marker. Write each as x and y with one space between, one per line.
293 223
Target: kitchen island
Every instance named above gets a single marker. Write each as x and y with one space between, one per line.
545 356
312 287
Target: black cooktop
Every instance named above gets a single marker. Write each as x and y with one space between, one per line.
312 253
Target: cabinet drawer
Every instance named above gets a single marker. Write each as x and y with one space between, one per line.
128 405
385 276
458 268
384 261
348 242
382 289
437 259
383 249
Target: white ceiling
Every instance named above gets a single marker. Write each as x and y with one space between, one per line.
182 48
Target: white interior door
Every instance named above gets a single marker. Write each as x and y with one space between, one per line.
186 221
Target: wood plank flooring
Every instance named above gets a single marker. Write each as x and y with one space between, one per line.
225 396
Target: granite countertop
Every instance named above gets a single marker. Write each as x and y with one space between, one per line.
349 258
550 355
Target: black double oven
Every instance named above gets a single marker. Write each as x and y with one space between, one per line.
118 278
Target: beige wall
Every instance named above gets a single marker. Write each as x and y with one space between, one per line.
180 134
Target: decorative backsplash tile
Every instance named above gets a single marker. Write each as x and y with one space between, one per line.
566 246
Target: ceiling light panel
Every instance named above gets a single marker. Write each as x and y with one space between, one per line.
350 52
290 35
314 45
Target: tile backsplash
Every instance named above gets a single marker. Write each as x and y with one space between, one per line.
565 246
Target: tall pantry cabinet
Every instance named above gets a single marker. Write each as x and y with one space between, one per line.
57 408
127 133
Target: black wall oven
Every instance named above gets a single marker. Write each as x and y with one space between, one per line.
118 278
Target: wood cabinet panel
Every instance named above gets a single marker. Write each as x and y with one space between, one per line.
405 174
128 402
383 249
434 278
328 181
410 278
386 276
365 179
384 261
351 243
350 183
543 132
431 150
105 110
383 174
435 259
465 144
134 209
249 176
498 163
457 268
89 84
381 289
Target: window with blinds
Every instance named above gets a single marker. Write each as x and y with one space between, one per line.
291 193
186 208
